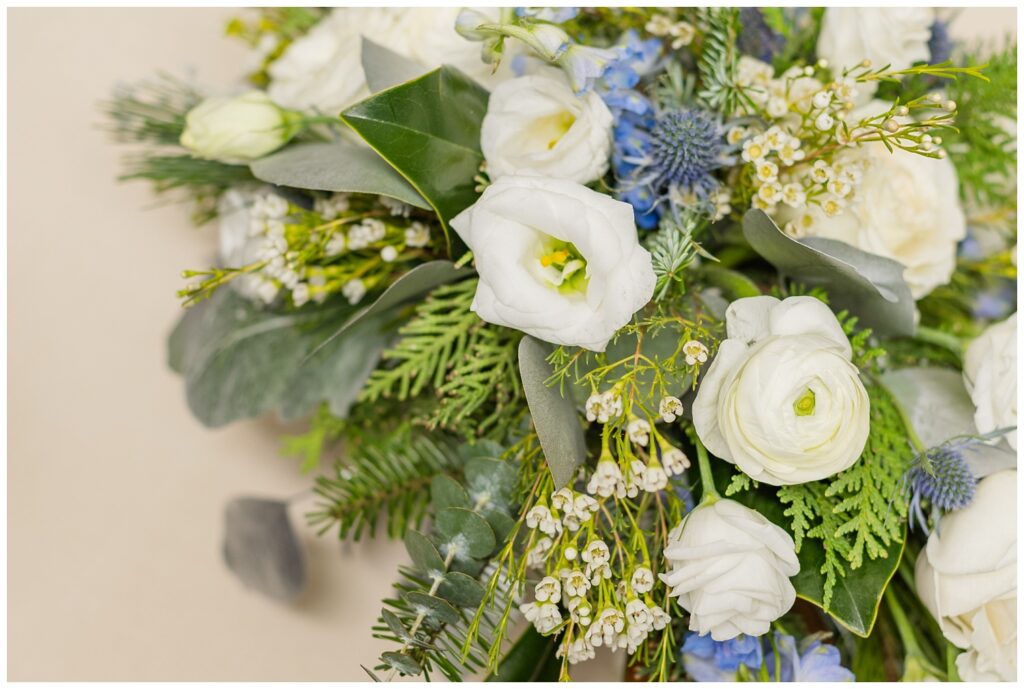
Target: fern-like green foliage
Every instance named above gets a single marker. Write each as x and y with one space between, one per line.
718 59
470 366
389 479
672 251
859 513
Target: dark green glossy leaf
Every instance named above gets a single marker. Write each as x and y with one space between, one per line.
446 492
438 609
871 287
401 662
385 68
461 590
336 166
467 531
423 553
554 416
428 129
531 659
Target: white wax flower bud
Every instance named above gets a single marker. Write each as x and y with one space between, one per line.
824 122
237 130
822 99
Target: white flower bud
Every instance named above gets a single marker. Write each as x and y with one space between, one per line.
237 130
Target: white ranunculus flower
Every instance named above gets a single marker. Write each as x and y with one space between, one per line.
990 373
556 260
782 401
907 208
967 577
537 125
237 130
323 70
895 36
730 568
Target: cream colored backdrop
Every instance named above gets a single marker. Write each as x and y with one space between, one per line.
115 494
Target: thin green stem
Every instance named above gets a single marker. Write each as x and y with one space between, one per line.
950 343
707 481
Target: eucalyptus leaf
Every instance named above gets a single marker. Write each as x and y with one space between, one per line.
461 590
871 287
428 129
423 553
490 480
437 609
336 166
399 661
413 283
395 624
481 448
499 521
262 549
554 416
465 531
447 492
385 68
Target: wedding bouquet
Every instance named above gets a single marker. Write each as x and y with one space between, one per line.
686 333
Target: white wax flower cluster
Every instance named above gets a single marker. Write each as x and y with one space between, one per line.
782 400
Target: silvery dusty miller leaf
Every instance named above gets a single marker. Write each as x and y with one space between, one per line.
554 416
870 287
261 548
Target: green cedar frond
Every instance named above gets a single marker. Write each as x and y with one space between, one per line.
718 59
390 479
151 111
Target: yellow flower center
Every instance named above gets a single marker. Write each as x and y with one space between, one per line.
805 405
563 266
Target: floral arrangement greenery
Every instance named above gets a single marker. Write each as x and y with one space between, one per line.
686 333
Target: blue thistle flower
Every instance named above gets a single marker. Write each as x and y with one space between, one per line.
686 147
944 479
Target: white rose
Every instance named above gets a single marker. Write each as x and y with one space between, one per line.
967 577
537 125
782 401
990 374
237 130
556 260
895 36
730 568
907 208
323 70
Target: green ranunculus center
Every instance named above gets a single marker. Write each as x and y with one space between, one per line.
805 405
563 266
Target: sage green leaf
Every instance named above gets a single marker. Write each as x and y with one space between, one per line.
871 287
499 521
385 68
415 282
733 284
490 481
938 407
395 624
465 531
401 662
461 590
433 607
446 492
481 448
428 129
554 416
423 553
531 659
335 166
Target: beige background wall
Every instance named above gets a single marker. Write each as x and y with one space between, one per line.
115 493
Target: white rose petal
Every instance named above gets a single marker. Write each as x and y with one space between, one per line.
782 401
967 578
730 568
990 374
520 225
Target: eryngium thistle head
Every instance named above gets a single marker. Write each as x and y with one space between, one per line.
950 485
686 146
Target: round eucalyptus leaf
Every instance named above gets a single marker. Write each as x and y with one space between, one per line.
447 492
261 548
403 663
481 448
461 590
468 566
490 481
423 553
437 609
395 624
499 521
465 531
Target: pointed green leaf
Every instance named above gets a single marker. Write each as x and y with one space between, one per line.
336 166
428 129
871 287
466 531
554 417
385 68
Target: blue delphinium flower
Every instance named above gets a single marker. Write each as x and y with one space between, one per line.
944 479
555 15
996 304
940 45
809 661
707 660
757 38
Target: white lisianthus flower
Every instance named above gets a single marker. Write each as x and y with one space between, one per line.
237 130
894 36
906 207
537 125
990 374
730 568
782 400
967 577
323 70
556 260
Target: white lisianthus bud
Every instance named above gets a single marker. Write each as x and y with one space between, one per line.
967 578
782 400
556 260
990 373
730 568
237 130
537 125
